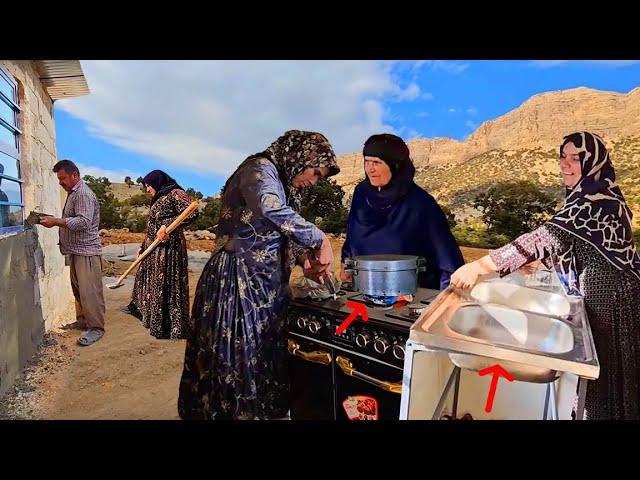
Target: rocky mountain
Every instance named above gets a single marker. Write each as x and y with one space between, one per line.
523 144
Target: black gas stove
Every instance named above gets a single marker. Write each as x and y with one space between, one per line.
365 360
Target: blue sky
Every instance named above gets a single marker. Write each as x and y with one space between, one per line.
197 120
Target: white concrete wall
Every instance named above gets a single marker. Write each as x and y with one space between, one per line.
35 293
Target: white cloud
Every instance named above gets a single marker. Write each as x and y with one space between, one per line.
453 110
112 175
473 111
407 132
207 116
448 66
410 93
427 96
422 114
472 125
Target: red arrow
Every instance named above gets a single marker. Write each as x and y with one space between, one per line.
497 371
358 309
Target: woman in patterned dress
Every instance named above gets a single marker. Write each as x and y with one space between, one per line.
160 297
235 363
589 242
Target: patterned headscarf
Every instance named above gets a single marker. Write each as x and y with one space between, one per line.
294 152
595 210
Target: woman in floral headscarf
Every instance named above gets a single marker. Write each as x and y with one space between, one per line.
236 357
590 243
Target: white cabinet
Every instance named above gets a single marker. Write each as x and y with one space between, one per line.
425 377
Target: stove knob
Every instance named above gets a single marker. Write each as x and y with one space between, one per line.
381 344
314 326
302 322
363 339
398 351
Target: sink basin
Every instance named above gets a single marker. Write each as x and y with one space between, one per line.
521 298
534 334
505 326
500 325
520 371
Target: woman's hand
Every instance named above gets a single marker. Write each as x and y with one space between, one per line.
344 276
467 275
314 270
139 252
530 268
162 234
324 254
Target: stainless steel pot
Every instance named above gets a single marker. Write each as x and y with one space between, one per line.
385 275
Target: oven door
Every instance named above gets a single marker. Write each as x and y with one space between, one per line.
357 376
311 380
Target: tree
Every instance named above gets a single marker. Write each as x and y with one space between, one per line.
322 204
132 219
139 200
451 218
128 181
514 208
139 180
209 216
109 206
194 194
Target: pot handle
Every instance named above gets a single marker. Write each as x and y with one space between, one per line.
350 266
421 263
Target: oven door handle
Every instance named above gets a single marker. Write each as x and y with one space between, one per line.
317 356
347 367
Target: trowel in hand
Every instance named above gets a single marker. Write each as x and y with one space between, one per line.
34 219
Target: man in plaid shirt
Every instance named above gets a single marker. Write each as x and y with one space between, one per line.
80 244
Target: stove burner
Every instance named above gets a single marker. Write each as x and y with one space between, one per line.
383 301
379 307
366 301
416 308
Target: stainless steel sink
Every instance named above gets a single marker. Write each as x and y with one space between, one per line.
520 371
501 325
521 298
534 334
506 326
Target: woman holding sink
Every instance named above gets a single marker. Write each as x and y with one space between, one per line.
589 242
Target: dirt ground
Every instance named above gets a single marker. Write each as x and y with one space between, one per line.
117 237
126 375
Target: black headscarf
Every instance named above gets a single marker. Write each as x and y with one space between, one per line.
394 152
161 183
595 209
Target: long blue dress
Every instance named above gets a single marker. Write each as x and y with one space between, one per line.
236 358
